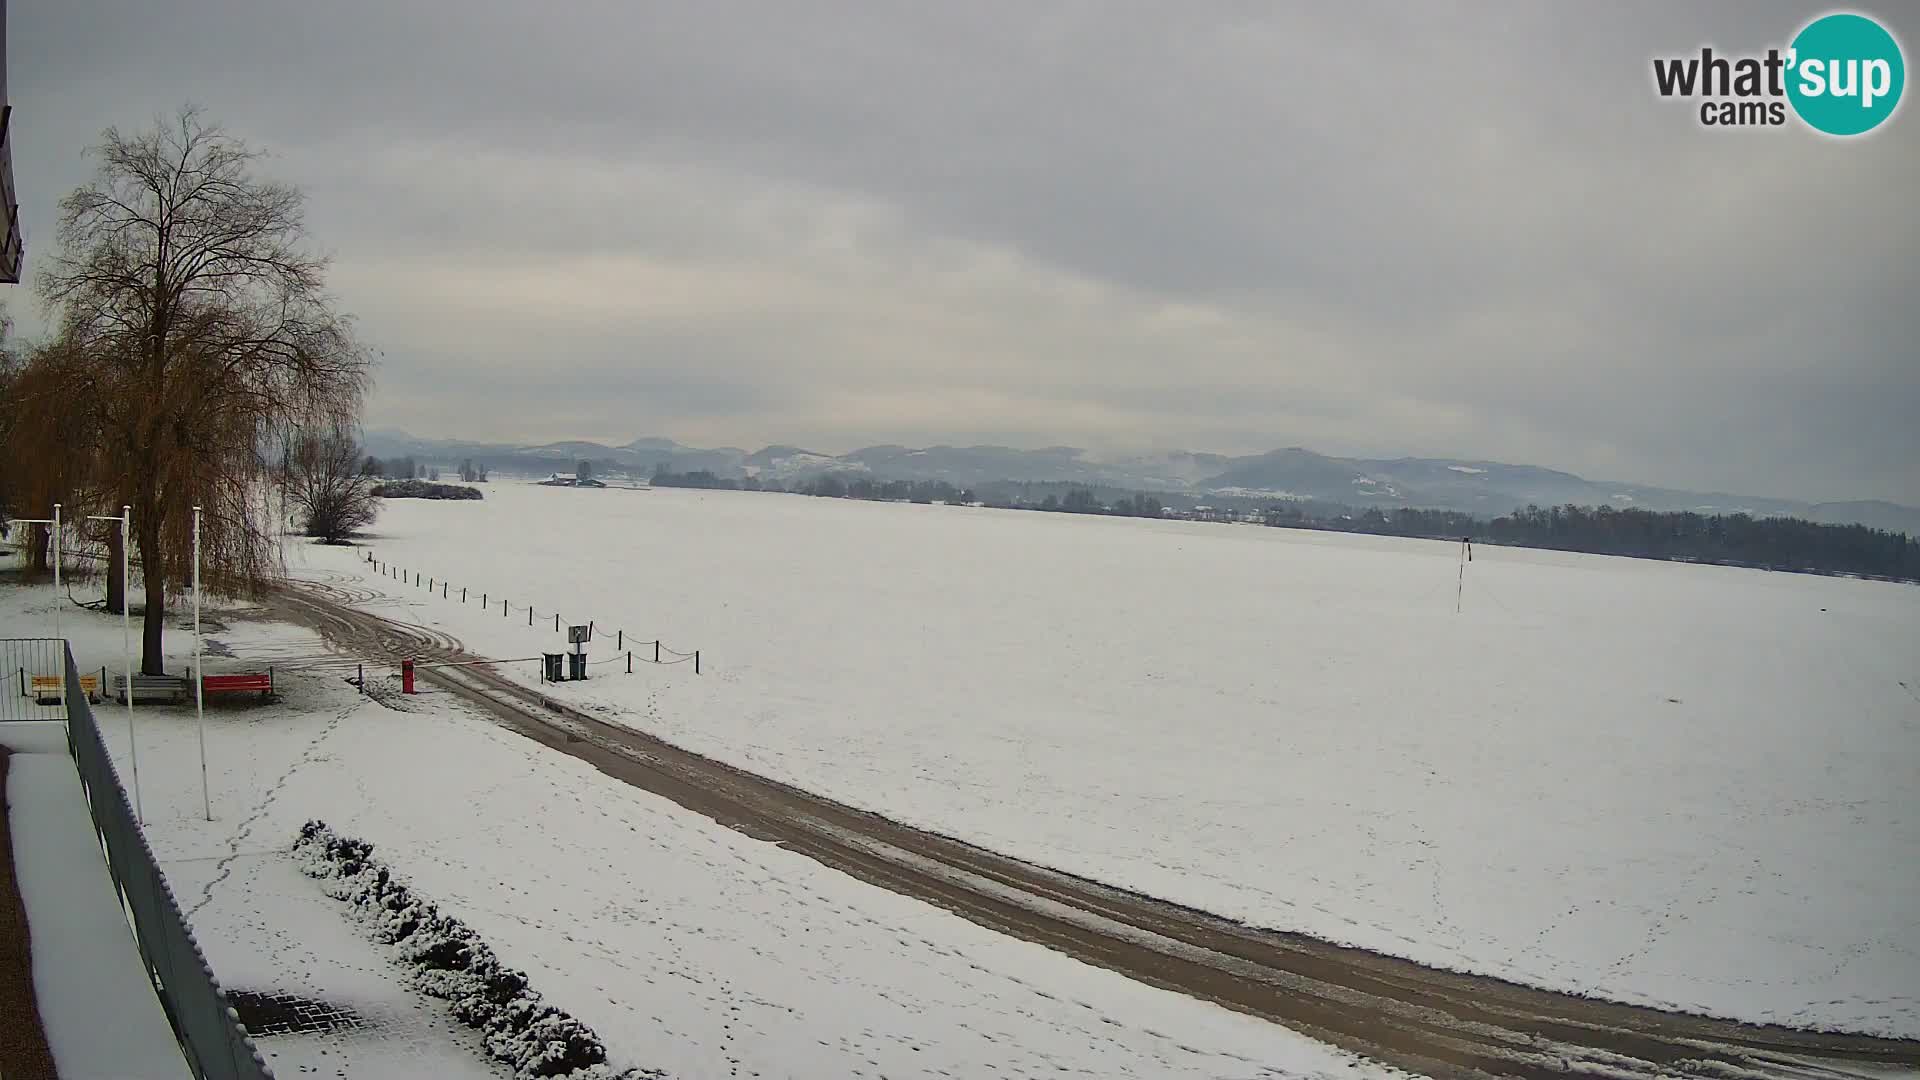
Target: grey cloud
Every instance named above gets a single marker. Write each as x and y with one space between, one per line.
1378 228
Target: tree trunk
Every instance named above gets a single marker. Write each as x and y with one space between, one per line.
116 581
39 543
153 659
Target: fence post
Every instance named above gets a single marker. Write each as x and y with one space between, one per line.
443 590
363 677
463 594
629 662
619 639
556 622
529 614
656 650
589 629
696 661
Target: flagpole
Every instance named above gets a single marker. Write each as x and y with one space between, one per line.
199 677
126 647
56 586
126 644
57 598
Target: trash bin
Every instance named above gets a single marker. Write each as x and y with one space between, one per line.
577 665
550 666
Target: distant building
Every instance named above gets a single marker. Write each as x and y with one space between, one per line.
565 479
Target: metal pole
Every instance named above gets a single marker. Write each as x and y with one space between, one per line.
56 589
199 677
126 647
1460 583
56 599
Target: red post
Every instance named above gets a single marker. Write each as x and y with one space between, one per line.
406 676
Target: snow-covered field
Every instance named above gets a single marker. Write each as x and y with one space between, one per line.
1679 785
688 946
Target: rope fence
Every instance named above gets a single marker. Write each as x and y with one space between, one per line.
662 655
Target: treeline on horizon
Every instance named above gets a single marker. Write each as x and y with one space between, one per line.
1774 543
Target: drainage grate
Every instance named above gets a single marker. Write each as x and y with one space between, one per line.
267 1014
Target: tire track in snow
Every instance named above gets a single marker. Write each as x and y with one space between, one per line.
1418 1018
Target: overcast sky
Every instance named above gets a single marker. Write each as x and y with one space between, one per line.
1444 230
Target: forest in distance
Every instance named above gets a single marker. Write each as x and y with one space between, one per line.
1732 539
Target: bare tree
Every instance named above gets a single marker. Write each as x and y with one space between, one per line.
328 487
184 281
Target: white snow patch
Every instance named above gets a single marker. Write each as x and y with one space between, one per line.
1258 493
1538 788
688 946
97 1003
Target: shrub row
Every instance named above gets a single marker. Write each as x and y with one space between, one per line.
447 960
424 489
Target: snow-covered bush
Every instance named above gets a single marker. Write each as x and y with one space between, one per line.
447 960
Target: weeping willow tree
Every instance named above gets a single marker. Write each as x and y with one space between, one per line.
49 437
194 322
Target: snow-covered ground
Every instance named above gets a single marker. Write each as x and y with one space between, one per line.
1672 784
687 946
97 1004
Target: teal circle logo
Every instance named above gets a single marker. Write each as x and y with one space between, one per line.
1845 74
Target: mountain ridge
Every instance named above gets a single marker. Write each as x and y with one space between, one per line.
1486 488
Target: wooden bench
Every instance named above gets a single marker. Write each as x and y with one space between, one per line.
257 682
166 688
49 689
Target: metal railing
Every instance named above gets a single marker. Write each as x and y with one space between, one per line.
35 674
209 1030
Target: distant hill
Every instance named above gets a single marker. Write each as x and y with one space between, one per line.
1486 488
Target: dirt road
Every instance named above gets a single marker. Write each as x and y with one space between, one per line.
1395 1011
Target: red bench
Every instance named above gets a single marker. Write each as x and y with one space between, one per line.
239 683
